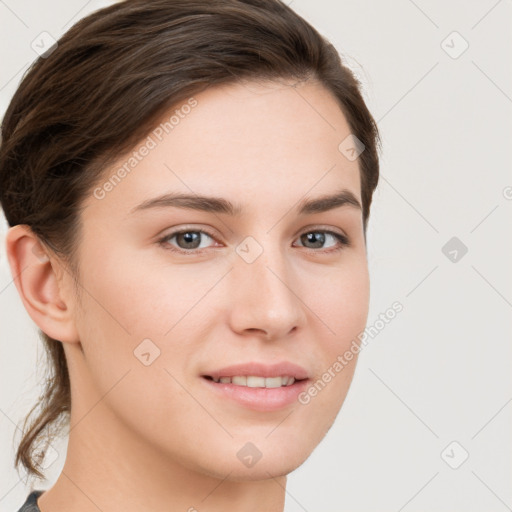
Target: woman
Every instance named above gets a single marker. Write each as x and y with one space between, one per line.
188 187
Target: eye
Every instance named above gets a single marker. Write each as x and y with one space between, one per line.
318 238
187 239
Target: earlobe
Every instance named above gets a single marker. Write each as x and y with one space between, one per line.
43 284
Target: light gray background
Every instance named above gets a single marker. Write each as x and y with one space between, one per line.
441 370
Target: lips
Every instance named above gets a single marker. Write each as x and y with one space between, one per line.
259 399
253 368
222 383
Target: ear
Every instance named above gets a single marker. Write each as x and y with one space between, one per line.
44 285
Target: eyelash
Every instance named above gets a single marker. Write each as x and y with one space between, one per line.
343 241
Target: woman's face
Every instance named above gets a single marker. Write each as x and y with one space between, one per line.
267 283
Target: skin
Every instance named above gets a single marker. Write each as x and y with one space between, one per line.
155 437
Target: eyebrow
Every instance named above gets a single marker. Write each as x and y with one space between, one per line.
321 204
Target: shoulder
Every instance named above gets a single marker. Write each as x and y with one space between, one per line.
30 504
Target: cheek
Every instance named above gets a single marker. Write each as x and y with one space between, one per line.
341 303
131 309
140 297
125 316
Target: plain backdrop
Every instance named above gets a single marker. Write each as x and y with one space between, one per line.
427 421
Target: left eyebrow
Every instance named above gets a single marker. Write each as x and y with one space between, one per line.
329 202
220 205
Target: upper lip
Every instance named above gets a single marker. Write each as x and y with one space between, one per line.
284 368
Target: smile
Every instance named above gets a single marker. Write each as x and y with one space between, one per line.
253 381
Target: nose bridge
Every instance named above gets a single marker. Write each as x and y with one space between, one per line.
263 295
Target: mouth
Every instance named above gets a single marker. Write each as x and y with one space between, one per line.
261 394
255 381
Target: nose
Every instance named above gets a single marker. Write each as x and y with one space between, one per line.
265 297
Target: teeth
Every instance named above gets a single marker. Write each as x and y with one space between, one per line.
270 382
252 381
239 381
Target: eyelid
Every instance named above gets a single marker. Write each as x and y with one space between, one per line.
321 227
185 229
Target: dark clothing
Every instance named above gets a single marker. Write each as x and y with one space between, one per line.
31 504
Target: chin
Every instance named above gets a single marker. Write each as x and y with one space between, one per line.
250 463
262 470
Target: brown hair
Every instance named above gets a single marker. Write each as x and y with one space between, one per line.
111 77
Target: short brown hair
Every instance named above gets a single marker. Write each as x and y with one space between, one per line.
111 77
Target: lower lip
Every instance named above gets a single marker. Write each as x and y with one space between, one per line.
259 399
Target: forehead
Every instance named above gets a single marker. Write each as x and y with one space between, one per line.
270 118
253 142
